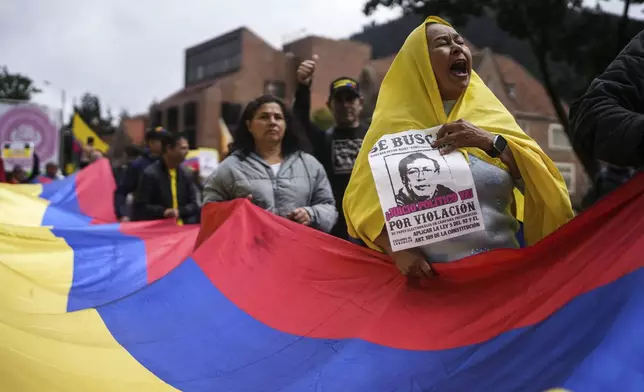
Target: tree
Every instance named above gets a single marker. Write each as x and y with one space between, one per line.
16 86
540 23
595 48
124 115
91 112
623 35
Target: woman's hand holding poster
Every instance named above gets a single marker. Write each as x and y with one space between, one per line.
425 197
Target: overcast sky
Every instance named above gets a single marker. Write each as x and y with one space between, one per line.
131 52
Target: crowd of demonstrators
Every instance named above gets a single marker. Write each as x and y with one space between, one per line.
269 161
129 179
608 120
337 147
18 174
166 188
269 166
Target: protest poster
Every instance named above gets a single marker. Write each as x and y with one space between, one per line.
425 197
208 161
203 160
18 154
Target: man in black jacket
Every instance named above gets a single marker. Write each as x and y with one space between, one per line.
129 180
165 189
608 120
337 147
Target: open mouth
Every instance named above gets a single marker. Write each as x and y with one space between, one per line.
459 68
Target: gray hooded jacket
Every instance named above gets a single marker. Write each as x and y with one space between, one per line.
300 182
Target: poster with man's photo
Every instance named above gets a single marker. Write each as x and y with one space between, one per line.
425 197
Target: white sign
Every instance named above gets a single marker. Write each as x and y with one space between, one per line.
425 197
208 162
18 154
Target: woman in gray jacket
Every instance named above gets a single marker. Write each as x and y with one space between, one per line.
269 167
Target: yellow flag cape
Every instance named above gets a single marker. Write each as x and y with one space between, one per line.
409 99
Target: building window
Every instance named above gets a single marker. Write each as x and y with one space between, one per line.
236 61
217 59
172 116
557 138
157 118
231 113
567 171
190 114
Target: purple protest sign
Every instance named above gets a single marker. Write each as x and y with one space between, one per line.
30 123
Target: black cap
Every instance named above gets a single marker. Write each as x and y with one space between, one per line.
156 133
344 84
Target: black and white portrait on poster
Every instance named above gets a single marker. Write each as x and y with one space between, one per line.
420 177
425 197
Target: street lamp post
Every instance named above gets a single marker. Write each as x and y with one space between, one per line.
63 98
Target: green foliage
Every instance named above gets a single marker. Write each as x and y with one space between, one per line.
323 118
592 40
16 86
91 111
124 115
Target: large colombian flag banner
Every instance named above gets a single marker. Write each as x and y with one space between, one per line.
264 304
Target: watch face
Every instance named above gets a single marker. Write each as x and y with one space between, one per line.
500 143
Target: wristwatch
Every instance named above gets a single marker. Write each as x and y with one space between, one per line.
498 146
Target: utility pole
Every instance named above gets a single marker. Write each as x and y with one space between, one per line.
61 136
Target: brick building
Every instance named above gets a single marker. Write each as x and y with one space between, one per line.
224 73
134 128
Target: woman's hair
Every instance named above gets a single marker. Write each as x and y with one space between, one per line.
293 139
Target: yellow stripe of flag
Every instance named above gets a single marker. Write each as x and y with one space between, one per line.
67 352
82 131
49 349
36 270
20 205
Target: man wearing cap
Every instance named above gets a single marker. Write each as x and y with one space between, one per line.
337 147
130 179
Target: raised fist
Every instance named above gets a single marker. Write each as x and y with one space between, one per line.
306 70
